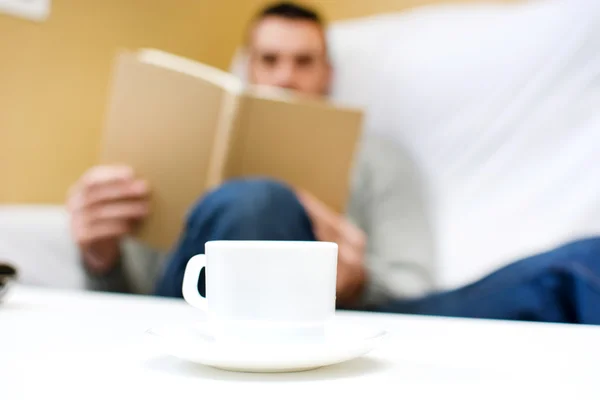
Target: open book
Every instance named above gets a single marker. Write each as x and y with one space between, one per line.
186 127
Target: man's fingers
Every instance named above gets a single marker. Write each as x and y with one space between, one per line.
106 229
330 225
104 183
317 209
352 235
349 256
123 210
326 233
114 191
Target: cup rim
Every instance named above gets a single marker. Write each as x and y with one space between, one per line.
271 244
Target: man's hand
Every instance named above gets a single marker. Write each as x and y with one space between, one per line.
105 204
330 226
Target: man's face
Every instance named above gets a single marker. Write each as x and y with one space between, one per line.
290 54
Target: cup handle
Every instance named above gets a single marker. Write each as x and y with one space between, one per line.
190 282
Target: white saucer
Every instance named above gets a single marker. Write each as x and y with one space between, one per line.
192 342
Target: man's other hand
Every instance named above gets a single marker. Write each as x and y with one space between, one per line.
330 226
104 205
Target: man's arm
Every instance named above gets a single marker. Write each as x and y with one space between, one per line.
390 206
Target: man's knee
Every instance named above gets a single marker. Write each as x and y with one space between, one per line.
249 199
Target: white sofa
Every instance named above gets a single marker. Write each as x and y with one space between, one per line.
498 104
37 240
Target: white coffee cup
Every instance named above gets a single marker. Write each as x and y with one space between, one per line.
265 290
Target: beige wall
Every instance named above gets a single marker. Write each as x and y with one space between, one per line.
53 75
345 9
53 78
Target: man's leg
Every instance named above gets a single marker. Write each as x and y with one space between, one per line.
255 209
562 285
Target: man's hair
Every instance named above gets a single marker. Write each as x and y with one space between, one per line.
290 10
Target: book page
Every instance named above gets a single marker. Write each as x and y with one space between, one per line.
162 123
305 143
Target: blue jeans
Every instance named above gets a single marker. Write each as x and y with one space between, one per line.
562 285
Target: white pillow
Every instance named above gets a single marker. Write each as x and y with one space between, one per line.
499 105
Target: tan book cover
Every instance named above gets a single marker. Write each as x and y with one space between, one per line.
186 127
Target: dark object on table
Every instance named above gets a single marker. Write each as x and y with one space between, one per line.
8 274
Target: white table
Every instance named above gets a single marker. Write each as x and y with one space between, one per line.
76 345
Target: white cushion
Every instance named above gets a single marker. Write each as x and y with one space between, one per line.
499 105
37 240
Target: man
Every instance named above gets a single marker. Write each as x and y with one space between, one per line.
384 246
385 259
